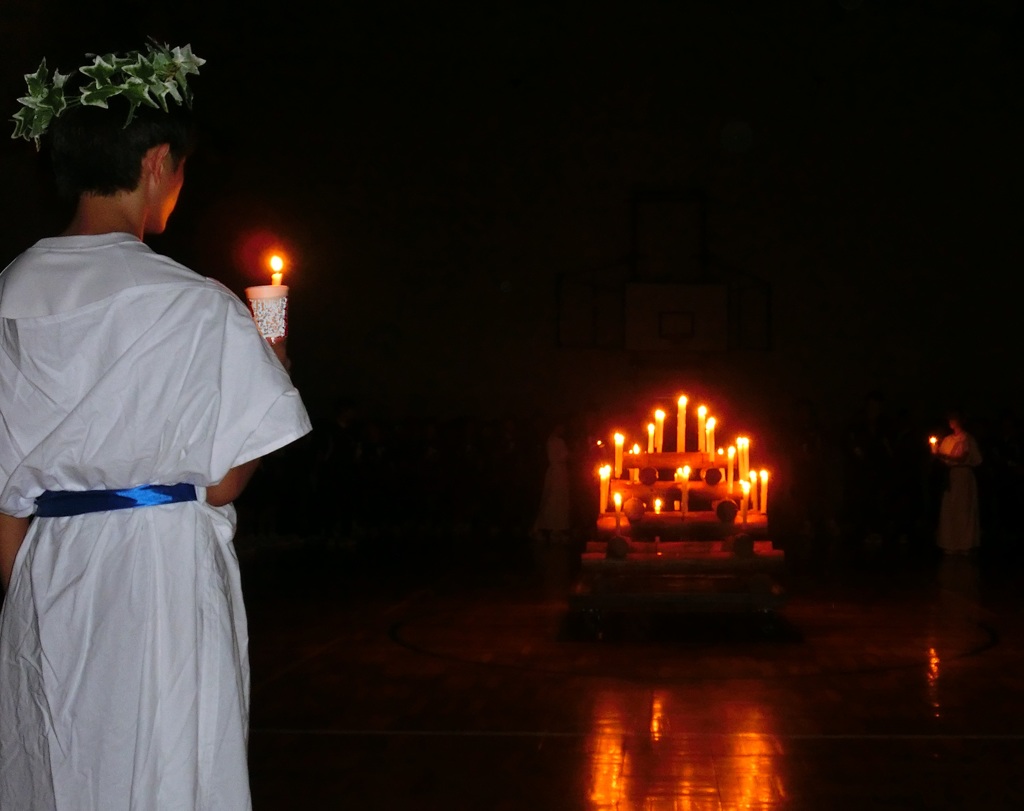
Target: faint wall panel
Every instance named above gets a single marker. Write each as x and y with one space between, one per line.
677 317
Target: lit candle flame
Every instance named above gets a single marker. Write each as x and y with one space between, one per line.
657 506
276 266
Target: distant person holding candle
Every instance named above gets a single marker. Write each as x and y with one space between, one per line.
959 529
137 398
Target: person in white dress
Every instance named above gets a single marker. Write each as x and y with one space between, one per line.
553 520
136 399
959 529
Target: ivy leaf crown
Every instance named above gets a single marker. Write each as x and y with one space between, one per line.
144 78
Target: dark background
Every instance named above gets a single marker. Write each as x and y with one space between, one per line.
438 171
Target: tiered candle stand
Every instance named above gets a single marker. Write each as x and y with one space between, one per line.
678 546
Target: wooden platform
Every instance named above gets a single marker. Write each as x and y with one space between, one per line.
732 574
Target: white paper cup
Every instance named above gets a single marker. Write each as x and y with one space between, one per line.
269 305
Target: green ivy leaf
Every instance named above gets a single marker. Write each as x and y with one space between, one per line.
187 62
102 68
23 122
141 69
38 82
96 95
165 89
137 92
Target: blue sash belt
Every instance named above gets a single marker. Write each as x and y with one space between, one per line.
58 503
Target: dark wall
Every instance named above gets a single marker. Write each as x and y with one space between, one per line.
435 171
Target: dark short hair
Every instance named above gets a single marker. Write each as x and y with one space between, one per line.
93 152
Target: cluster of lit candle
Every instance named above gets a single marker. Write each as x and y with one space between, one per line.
753 485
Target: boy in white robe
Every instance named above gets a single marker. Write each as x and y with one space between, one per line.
124 680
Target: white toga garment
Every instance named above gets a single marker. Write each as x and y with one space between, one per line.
124 678
959 527
554 512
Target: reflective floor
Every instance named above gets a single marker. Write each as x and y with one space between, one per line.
456 680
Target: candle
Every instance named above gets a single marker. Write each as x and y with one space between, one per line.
741 456
659 431
684 503
650 437
276 266
657 506
764 491
753 490
617 498
619 439
933 441
728 467
702 414
743 502
605 474
709 441
681 426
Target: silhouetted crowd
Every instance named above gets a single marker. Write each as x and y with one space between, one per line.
359 477
866 485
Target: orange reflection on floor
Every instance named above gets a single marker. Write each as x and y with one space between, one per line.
933 681
748 777
654 749
606 750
